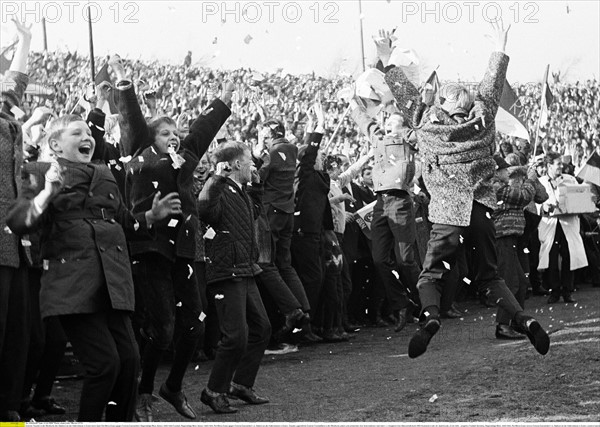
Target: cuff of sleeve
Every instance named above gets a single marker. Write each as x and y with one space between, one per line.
124 84
319 129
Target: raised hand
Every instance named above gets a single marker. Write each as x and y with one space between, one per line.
383 43
116 63
227 92
223 169
167 206
23 31
318 109
40 115
499 34
54 178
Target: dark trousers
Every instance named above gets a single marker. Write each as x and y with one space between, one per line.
105 345
393 232
15 326
345 278
46 348
509 268
171 300
441 256
245 333
332 292
307 254
272 282
210 340
530 240
282 225
560 279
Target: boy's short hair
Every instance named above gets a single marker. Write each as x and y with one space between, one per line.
58 126
155 124
513 159
551 156
366 168
229 151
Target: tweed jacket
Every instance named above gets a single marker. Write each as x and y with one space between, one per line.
150 171
11 160
86 267
457 157
232 252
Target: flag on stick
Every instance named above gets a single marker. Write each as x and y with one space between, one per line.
590 171
546 100
510 118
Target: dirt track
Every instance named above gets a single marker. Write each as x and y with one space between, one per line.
476 377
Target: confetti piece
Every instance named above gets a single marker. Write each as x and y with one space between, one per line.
26 243
388 338
297 213
179 304
452 176
46 264
232 190
433 398
202 317
219 296
190 271
476 127
140 159
173 222
283 156
446 265
117 167
172 242
461 239
155 183
197 367
296 330
467 280
396 275
153 150
526 250
188 218
7 230
112 403
125 159
500 202
136 226
488 215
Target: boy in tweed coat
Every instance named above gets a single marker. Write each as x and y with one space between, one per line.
456 140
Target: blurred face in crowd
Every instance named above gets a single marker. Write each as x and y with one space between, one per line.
367 177
393 125
540 169
555 168
74 143
243 168
265 136
345 163
167 136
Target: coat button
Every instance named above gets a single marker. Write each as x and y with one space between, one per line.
111 196
112 220
102 249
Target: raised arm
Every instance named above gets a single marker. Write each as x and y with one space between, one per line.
16 76
207 125
135 136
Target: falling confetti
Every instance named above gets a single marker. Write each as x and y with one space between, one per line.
433 398
179 304
396 275
467 280
202 317
219 296
446 265
190 271
173 222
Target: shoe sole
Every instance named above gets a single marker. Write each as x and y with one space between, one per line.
538 337
420 340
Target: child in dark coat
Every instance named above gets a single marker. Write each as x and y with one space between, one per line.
75 204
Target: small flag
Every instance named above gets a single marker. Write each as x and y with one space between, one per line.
511 117
433 84
590 171
547 99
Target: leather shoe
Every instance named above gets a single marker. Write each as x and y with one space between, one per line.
540 291
178 400
534 331
293 318
401 320
246 394
568 298
144 412
505 332
420 340
332 337
218 404
48 405
553 299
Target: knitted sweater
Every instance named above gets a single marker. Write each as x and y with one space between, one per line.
457 157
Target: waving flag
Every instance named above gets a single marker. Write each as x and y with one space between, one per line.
590 171
510 118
